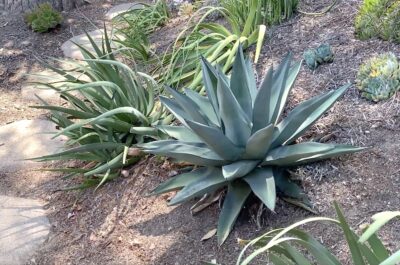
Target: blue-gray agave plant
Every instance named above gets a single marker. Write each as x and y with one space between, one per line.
236 137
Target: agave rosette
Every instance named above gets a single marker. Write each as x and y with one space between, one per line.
236 137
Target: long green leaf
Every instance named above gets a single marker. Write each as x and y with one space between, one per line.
181 180
258 144
211 180
262 183
216 140
180 133
287 155
351 241
394 259
204 105
82 149
261 110
240 83
304 115
189 106
236 123
239 169
238 192
380 220
196 153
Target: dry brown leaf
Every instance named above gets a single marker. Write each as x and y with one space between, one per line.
209 234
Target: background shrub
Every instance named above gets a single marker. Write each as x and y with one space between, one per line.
379 18
43 18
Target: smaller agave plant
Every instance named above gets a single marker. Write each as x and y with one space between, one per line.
236 138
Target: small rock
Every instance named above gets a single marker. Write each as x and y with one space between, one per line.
24 226
26 43
26 139
135 242
172 173
118 9
70 215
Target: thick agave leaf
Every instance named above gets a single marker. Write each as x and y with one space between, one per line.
236 123
258 144
241 83
279 89
210 80
262 183
289 188
287 155
288 84
180 133
182 180
189 106
175 109
204 105
339 149
239 169
273 93
210 181
216 140
238 191
196 153
252 81
304 115
261 109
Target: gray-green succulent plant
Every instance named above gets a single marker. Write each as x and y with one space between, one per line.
379 77
237 139
320 55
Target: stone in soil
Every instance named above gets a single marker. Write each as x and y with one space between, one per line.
23 228
26 139
118 9
30 89
70 50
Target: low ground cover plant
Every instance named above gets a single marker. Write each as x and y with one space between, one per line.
379 19
379 77
286 245
109 108
314 57
43 18
236 138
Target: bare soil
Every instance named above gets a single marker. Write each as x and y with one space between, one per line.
119 224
